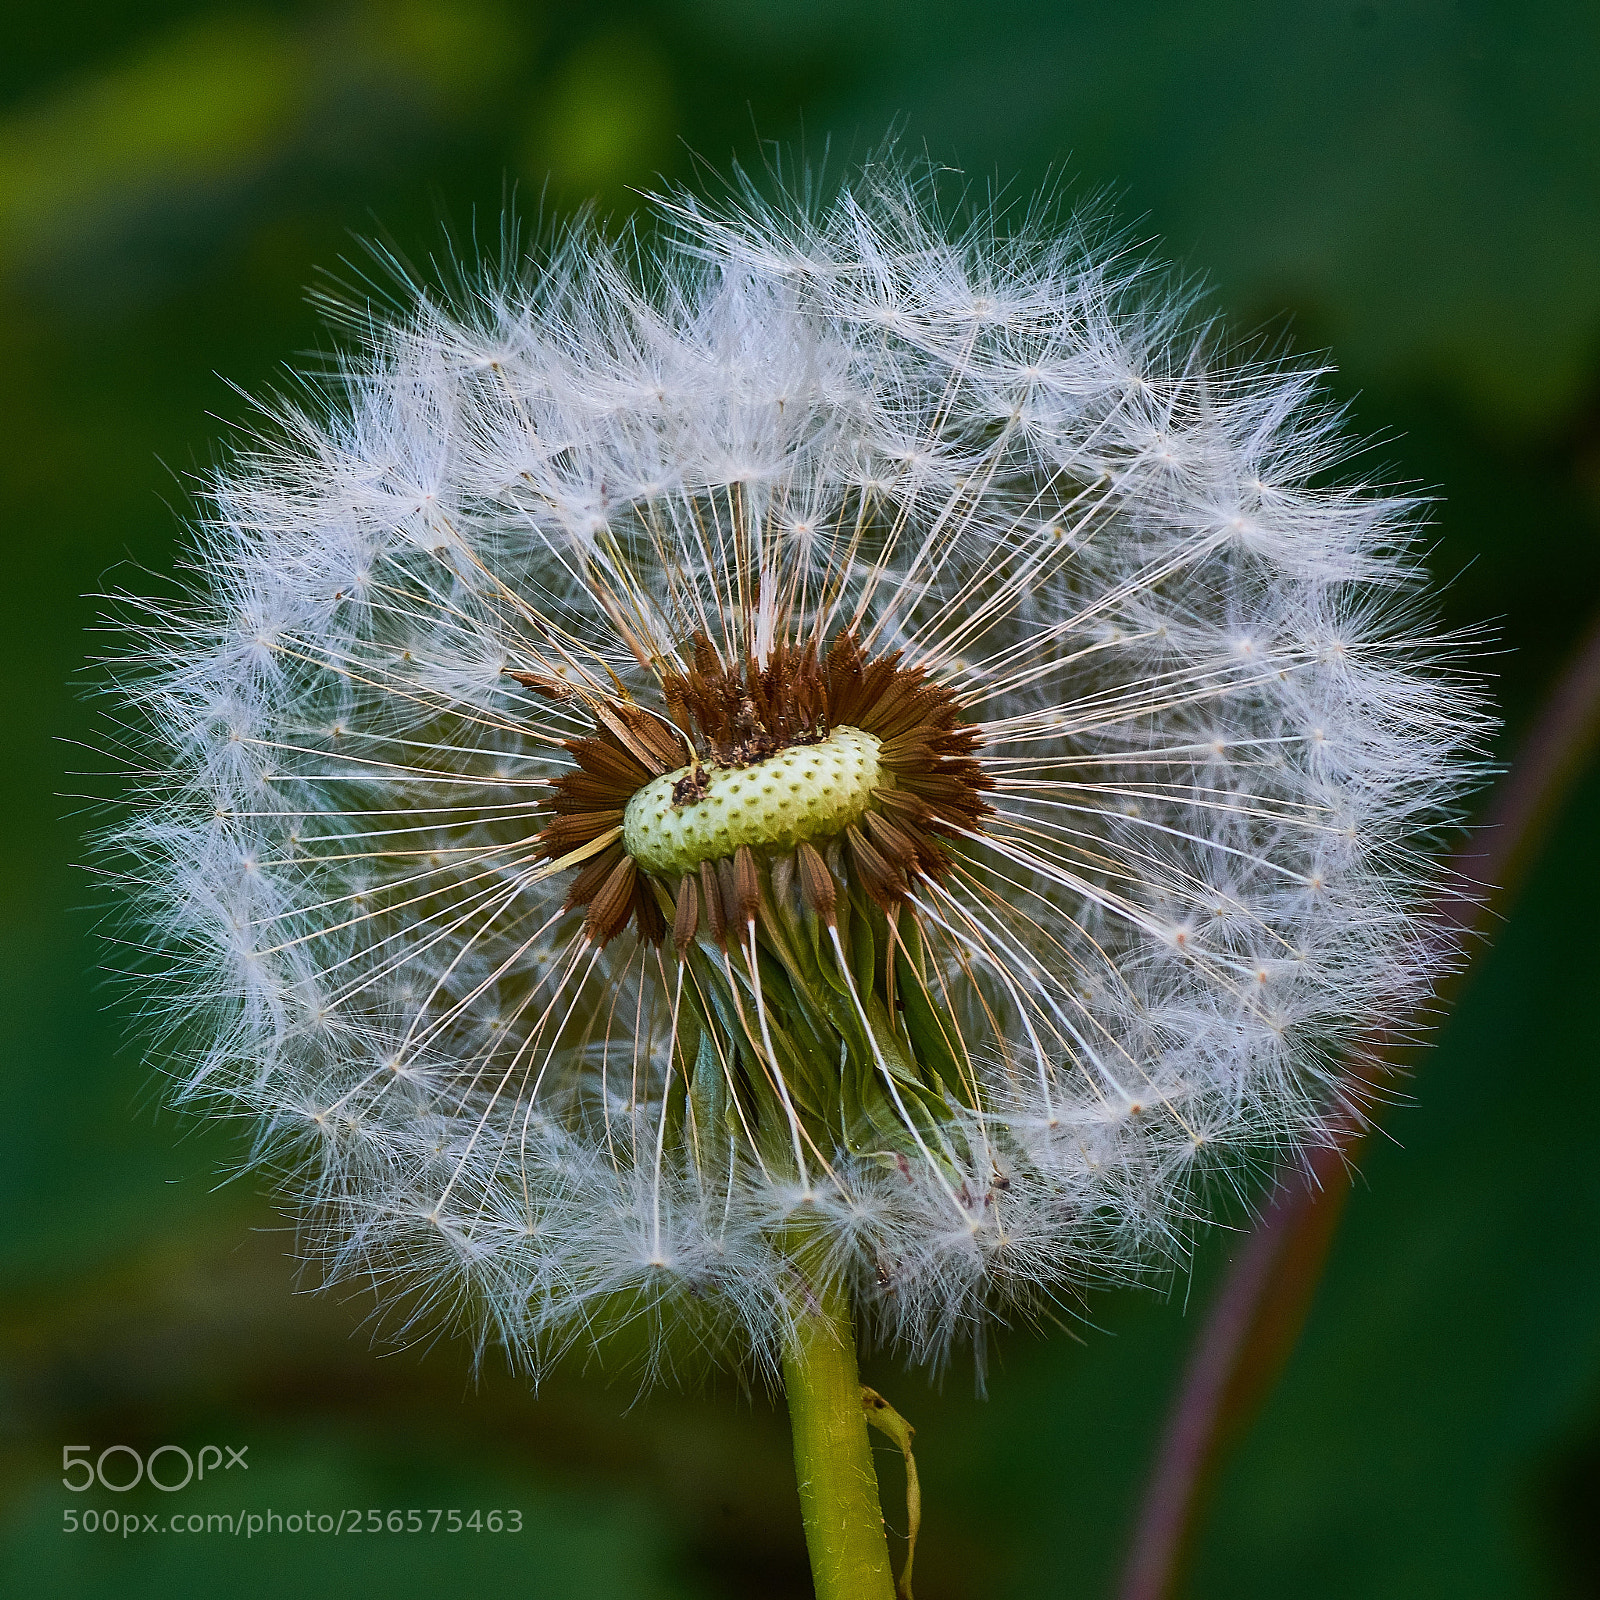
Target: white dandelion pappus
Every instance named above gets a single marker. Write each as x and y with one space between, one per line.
862 731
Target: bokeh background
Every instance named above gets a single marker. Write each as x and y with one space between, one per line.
1412 186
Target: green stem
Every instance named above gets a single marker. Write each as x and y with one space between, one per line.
832 1459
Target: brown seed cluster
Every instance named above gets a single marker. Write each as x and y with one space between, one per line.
741 714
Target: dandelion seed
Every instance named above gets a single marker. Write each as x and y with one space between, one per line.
868 752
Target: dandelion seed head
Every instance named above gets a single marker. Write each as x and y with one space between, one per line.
851 726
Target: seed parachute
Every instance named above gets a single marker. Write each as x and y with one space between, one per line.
844 740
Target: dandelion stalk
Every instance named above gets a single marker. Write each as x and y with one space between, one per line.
832 1456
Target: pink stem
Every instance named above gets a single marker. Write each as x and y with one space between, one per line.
1256 1316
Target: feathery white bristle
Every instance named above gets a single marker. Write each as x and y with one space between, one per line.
1218 724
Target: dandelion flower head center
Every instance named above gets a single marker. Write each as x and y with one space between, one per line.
865 758
802 793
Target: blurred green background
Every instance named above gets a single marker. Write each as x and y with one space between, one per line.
1413 186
